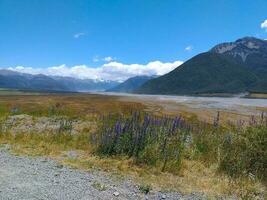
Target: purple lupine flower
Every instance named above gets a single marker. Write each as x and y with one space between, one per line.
118 129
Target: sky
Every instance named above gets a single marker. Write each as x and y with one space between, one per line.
117 39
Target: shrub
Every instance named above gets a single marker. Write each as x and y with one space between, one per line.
207 144
145 188
245 152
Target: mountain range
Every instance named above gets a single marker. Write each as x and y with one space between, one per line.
233 67
16 80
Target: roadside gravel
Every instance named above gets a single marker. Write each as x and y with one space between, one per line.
26 178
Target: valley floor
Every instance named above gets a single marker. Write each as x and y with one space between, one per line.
204 108
36 162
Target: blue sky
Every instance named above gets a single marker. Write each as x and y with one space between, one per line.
92 33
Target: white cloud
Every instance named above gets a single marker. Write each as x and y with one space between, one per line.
188 48
105 59
96 59
109 59
264 25
78 35
109 71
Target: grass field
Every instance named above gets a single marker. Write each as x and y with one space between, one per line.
207 161
71 105
257 95
4 91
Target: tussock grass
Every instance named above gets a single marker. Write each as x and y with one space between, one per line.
45 144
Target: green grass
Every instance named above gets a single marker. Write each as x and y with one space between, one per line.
99 186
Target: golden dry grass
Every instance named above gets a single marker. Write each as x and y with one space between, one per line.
73 105
258 95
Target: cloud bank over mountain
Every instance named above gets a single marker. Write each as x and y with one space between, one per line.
115 71
264 25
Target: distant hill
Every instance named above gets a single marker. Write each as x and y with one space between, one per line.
15 80
234 67
83 85
131 84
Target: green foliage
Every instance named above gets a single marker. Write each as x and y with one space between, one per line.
145 188
245 153
206 144
205 73
3 110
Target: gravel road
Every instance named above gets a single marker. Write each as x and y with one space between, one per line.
39 178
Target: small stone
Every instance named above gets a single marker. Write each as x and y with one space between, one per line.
72 154
59 166
44 160
163 196
116 194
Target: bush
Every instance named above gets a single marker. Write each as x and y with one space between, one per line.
245 153
145 188
207 144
